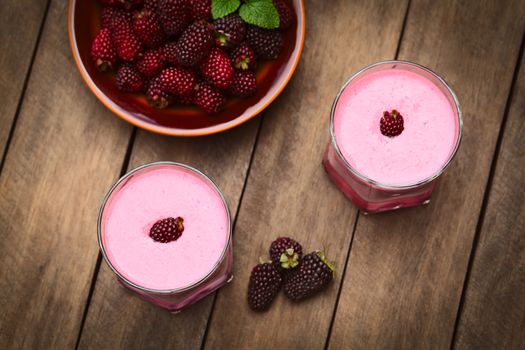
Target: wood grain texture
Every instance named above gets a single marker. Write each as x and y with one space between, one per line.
119 320
406 269
16 47
65 152
287 191
493 314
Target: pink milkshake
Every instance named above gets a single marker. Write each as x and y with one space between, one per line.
195 262
379 170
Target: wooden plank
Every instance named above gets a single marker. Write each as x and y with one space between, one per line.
66 151
17 47
406 269
493 314
288 192
119 320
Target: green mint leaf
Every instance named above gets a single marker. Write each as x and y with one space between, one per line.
261 13
221 8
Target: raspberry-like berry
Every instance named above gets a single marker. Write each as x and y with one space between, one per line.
217 69
267 43
208 98
156 95
194 44
151 4
103 52
313 274
286 252
128 79
243 57
109 13
391 124
244 84
229 30
177 80
169 53
265 282
200 9
174 15
286 16
148 29
150 64
127 44
167 230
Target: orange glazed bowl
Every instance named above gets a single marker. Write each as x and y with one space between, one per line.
178 120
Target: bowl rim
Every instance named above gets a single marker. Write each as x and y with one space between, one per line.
123 114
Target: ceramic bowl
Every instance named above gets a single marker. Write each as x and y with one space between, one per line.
272 77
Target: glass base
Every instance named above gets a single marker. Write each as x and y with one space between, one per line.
175 302
367 197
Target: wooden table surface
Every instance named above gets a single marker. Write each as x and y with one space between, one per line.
451 274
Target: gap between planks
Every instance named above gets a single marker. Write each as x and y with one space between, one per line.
252 156
24 86
123 170
488 188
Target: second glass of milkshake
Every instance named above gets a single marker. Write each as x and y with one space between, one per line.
395 126
165 231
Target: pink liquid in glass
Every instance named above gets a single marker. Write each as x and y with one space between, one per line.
175 274
379 172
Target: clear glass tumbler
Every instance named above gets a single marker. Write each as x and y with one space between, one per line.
174 299
371 196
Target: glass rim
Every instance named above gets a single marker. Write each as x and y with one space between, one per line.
377 183
163 291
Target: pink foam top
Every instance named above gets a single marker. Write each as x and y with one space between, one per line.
427 142
156 193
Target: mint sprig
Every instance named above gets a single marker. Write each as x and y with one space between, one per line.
261 13
221 8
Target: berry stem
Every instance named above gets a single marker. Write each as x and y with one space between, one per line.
322 256
394 113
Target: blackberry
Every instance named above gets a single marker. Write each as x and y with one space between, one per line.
108 13
169 53
174 15
126 42
286 16
200 9
243 57
167 230
103 52
229 30
148 29
312 275
267 43
265 283
150 64
217 69
151 4
209 98
391 124
156 95
178 80
286 252
128 79
194 44
244 84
